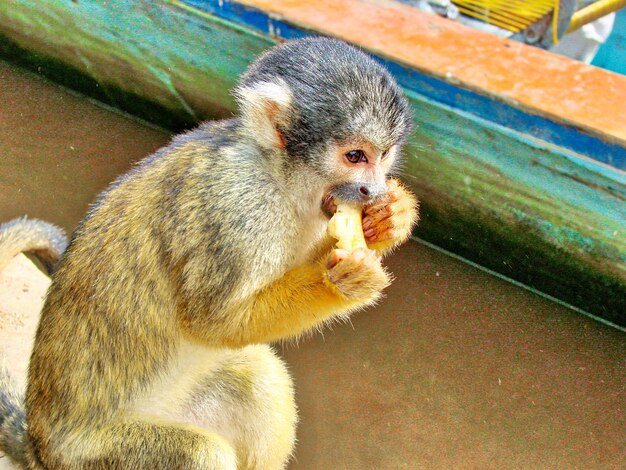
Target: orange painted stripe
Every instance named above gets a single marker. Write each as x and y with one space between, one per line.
536 80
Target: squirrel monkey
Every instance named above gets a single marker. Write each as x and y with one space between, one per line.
152 349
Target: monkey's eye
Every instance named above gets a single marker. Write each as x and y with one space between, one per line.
384 155
356 156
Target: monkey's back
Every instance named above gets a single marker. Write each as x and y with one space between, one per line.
178 235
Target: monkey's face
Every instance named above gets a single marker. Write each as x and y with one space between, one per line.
357 169
322 105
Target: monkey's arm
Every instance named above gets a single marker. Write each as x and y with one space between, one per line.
388 223
308 296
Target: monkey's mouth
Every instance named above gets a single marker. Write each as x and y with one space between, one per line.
343 192
328 205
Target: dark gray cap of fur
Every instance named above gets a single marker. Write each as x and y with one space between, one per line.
338 92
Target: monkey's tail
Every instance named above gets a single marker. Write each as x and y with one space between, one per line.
12 421
45 241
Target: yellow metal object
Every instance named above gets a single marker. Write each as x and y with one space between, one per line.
593 12
512 15
555 23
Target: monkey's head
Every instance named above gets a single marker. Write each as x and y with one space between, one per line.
329 106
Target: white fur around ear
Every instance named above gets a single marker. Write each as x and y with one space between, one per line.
265 108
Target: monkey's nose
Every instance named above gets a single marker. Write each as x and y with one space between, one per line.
370 192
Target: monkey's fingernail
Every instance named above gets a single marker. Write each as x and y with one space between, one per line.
368 232
367 222
333 259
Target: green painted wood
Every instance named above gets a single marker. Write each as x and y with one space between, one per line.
183 61
529 210
533 212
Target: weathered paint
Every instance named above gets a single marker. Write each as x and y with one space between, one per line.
521 207
166 54
521 199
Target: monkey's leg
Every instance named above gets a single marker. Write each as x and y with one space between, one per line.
144 443
248 398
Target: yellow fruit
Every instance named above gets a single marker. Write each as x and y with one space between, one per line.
346 227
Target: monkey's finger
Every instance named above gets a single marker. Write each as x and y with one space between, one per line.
354 264
335 257
375 217
377 205
361 280
385 237
344 269
382 236
384 205
376 208
381 227
378 225
402 224
349 259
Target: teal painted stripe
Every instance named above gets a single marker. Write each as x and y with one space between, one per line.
598 188
612 54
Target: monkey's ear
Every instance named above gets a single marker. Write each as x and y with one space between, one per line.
265 110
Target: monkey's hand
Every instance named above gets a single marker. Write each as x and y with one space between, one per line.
356 274
389 221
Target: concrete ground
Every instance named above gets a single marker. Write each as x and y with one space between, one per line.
454 369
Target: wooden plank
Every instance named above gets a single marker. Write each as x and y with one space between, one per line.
522 203
159 52
528 210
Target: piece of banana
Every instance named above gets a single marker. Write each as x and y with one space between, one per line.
346 226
